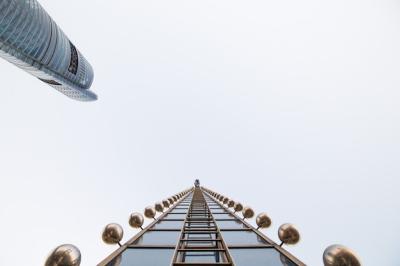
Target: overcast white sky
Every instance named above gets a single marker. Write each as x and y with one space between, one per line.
291 107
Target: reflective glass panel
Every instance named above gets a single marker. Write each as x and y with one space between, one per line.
176 216
202 236
179 211
231 224
144 257
242 238
169 225
259 256
204 256
223 216
158 238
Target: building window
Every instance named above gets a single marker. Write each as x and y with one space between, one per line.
158 238
169 225
73 64
242 238
144 257
259 256
51 82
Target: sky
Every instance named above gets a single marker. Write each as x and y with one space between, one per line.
291 107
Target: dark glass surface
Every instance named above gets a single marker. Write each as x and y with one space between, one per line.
158 238
223 216
176 216
231 224
242 238
200 236
169 225
73 65
205 256
51 82
144 257
258 257
179 211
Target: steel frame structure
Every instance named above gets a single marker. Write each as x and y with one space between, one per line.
201 237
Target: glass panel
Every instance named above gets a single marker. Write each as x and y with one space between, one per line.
144 257
242 238
223 216
179 211
201 236
259 256
169 225
218 210
158 238
204 256
176 216
231 224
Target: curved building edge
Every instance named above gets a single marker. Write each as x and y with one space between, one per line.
31 40
46 75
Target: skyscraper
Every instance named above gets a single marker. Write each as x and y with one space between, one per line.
32 41
200 227
200 230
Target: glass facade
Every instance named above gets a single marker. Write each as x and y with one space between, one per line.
32 41
198 229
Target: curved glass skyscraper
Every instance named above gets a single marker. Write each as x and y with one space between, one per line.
31 40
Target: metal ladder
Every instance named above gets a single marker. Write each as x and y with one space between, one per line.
201 242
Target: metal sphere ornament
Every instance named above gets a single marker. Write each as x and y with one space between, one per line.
288 234
112 234
64 255
150 212
238 207
263 220
247 213
171 201
159 207
338 255
136 220
165 203
231 203
226 200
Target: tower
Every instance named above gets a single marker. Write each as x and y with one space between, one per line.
201 227
32 41
198 229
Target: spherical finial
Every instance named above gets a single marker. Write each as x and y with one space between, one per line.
247 213
337 255
159 207
226 200
238 207
231 203
165 203
150 212
288 234
136 220
171 201
263 220
64 255
112 234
